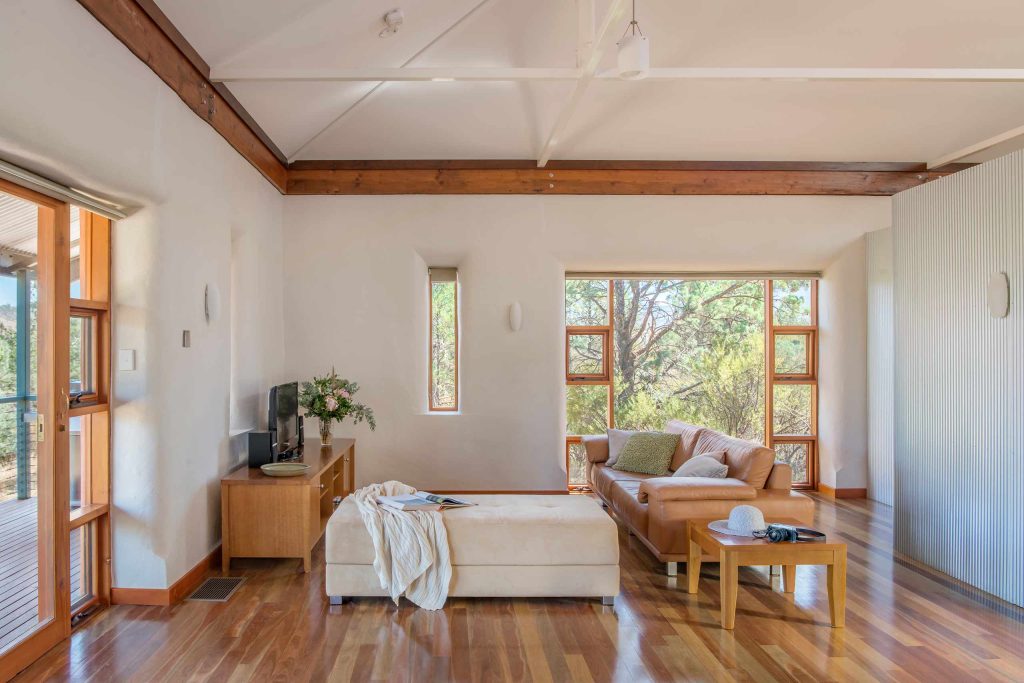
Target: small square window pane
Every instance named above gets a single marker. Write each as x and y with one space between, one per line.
577 465
796 455
791 354
82 355
791 302
586 354
792 409
81 565
586 303
586 409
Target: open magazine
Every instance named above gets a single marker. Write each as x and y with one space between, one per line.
422 500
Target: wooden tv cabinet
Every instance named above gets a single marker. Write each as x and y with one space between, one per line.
265 516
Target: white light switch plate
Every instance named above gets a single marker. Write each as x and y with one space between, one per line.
126 360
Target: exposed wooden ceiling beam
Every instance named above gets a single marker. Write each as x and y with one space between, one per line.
463 73
977 147
600 43
616 178
131 22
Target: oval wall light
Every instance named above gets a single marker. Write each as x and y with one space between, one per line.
515 316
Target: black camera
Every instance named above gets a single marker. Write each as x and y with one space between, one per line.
781 533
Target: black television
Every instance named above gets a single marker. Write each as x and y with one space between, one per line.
283 419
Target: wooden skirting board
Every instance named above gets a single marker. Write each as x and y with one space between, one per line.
827 490
149 34
164 597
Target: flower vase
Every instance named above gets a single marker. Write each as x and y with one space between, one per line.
325 432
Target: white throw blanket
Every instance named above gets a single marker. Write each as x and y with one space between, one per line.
411 554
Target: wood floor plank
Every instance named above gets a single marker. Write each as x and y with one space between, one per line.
905 622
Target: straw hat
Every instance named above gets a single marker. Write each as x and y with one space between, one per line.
744 520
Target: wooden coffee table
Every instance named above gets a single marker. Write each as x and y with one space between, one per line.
736 551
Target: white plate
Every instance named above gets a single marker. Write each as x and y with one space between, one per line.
284 469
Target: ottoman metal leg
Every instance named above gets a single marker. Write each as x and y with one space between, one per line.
336 599
672 568
608 600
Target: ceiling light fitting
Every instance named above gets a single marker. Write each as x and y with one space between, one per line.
393 20
634 60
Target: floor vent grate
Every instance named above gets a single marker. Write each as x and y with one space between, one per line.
217 589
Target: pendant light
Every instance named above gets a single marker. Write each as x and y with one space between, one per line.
634 52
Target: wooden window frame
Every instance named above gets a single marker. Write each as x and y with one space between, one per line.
810 335
810 332
603 377
606 379
430 345
808 379
97 398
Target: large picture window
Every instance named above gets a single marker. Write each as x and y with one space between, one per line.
444 339
710 352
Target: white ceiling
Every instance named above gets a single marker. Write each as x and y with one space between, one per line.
681 119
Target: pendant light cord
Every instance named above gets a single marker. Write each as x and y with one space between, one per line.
634 25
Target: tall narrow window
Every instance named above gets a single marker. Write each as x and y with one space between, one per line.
444 339
791 336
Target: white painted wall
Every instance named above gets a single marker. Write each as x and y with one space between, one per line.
77 106
357 301
842 369
880 366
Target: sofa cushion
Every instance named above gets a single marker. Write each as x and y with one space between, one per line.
647 453
664 489
688 435
708 465
617 438
626 503
602 477
747 461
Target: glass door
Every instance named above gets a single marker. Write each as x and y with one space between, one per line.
34 487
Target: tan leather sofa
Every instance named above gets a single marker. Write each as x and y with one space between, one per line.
655 509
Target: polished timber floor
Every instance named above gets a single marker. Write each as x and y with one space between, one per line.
904 622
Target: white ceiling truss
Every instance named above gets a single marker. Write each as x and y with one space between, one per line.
925 77
461 73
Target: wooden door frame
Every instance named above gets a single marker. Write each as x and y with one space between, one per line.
53 329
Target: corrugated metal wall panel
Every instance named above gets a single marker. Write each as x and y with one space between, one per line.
880 366
959 390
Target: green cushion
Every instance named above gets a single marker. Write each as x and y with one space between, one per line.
647 453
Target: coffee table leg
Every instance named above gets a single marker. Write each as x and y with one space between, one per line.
729 580
693 566
789 578
837 588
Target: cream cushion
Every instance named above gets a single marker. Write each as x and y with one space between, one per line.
501 530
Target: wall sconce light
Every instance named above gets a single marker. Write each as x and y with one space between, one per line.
515 316
998 295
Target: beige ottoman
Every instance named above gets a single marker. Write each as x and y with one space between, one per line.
505 546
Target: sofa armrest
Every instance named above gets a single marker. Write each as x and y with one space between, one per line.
597 447
664 489
780 478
